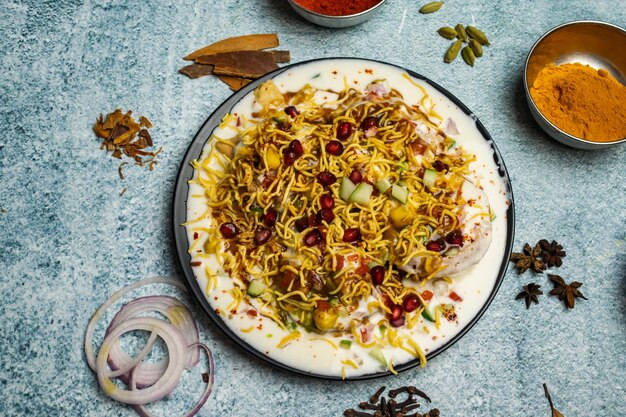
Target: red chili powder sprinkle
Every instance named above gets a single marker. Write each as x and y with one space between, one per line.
337 7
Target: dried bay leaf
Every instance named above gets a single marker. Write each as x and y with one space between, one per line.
196 70
238 43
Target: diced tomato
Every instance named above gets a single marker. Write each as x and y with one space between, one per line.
323 305
456 297
361 270
417 147
353 257
340 263
427 295
286 279
364 335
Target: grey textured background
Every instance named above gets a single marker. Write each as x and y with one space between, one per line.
67 239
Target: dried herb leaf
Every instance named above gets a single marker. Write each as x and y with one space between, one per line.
566 292
530 293
239 43
528 259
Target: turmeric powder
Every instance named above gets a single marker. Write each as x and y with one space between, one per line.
582 101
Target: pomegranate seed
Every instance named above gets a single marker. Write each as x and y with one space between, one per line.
296 147
290 157
302 223
355 177
261 236
455 237
344 130
369 122
399 322
436 245
396 312
327 201
410 303
351 235
326 178
270 217
313 221
334 147
313 238
378 274
229 230
292 111
440 166
325 214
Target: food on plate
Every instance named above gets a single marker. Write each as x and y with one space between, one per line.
340 215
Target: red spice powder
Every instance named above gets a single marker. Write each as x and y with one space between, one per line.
337 7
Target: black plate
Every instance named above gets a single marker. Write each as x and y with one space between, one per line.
180 213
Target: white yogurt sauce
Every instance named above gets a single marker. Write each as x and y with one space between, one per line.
310 353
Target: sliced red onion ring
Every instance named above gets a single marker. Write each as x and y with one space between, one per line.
147 382
91 327
177 352
141 410
180 317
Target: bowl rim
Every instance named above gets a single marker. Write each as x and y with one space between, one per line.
531 101
181 243
294 3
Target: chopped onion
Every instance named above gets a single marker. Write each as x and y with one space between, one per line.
147 382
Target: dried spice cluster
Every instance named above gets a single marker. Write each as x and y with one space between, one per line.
238 60
122 135
378 406
545 254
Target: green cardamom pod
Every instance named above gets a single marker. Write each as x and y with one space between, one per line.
447 32
476 48
460 32
468 56
431 7
452 51
478 34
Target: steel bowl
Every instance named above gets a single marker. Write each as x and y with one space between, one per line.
335 21
598 44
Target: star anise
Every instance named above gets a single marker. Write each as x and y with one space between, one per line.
530 293
552 253
528 259
566 292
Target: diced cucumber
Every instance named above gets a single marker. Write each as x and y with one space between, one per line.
400 193
377 354
256 288
452 251
383 185
333 301
402 183
426 314
361 194
345 344
346 188
430 175
382 329
371 265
